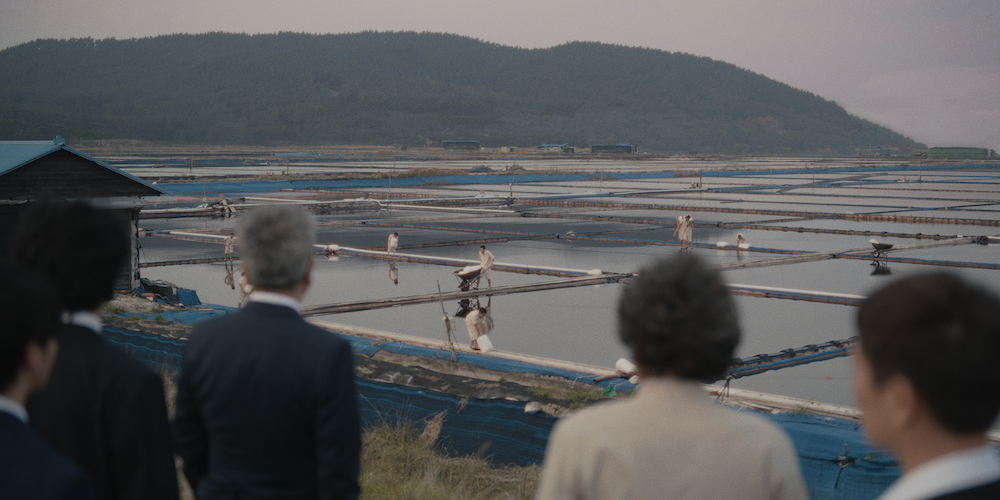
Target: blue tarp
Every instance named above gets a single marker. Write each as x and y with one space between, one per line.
503 432
368 347
498 429
836 461
188 298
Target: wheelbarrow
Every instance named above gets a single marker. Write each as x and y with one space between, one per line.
468 277
880 248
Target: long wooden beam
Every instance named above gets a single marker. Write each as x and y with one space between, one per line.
364 305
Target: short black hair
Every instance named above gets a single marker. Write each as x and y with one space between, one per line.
678 317
80 250
29 312
943 334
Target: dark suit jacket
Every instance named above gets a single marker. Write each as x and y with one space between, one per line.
988 491
105 411
32 470
266 409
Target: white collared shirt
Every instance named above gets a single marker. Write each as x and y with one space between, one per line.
86 319
949 473
8 405
278 299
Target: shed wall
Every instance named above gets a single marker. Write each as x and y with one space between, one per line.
62 175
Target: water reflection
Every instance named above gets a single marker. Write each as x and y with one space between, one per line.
393 273
228 280
880 268
588 313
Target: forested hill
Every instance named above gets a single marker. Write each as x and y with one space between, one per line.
410 89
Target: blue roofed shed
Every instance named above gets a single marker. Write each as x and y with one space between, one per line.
51 170
33 170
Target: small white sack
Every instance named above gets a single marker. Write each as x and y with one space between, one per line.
625 367
484 343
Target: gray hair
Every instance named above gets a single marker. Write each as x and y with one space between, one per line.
276 245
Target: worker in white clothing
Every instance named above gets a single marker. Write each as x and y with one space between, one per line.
474 324
486 263
228 242
224 207
681 231
687 231
393 244
741 241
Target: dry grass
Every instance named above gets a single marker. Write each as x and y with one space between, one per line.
397 462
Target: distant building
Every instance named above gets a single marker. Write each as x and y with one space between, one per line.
508 149
624 148
875 151
557 148
960 153
50 170
450 144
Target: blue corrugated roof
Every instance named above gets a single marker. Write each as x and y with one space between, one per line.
16 154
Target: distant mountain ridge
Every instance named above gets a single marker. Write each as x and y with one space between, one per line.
411 89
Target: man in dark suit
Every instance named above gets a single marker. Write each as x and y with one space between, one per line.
924 370
265 401
102 408
29 320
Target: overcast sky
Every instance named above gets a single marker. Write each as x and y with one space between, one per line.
929 69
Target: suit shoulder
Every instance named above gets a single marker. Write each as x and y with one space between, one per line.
92 352
326 337
33 469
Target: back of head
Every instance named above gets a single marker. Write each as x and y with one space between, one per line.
276 245
80 250
679 319
29 312
942 334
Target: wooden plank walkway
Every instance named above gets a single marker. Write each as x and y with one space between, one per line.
865 217
858 253
365 305
164 263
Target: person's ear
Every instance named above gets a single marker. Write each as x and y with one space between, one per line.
38 361
309 271
904 401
